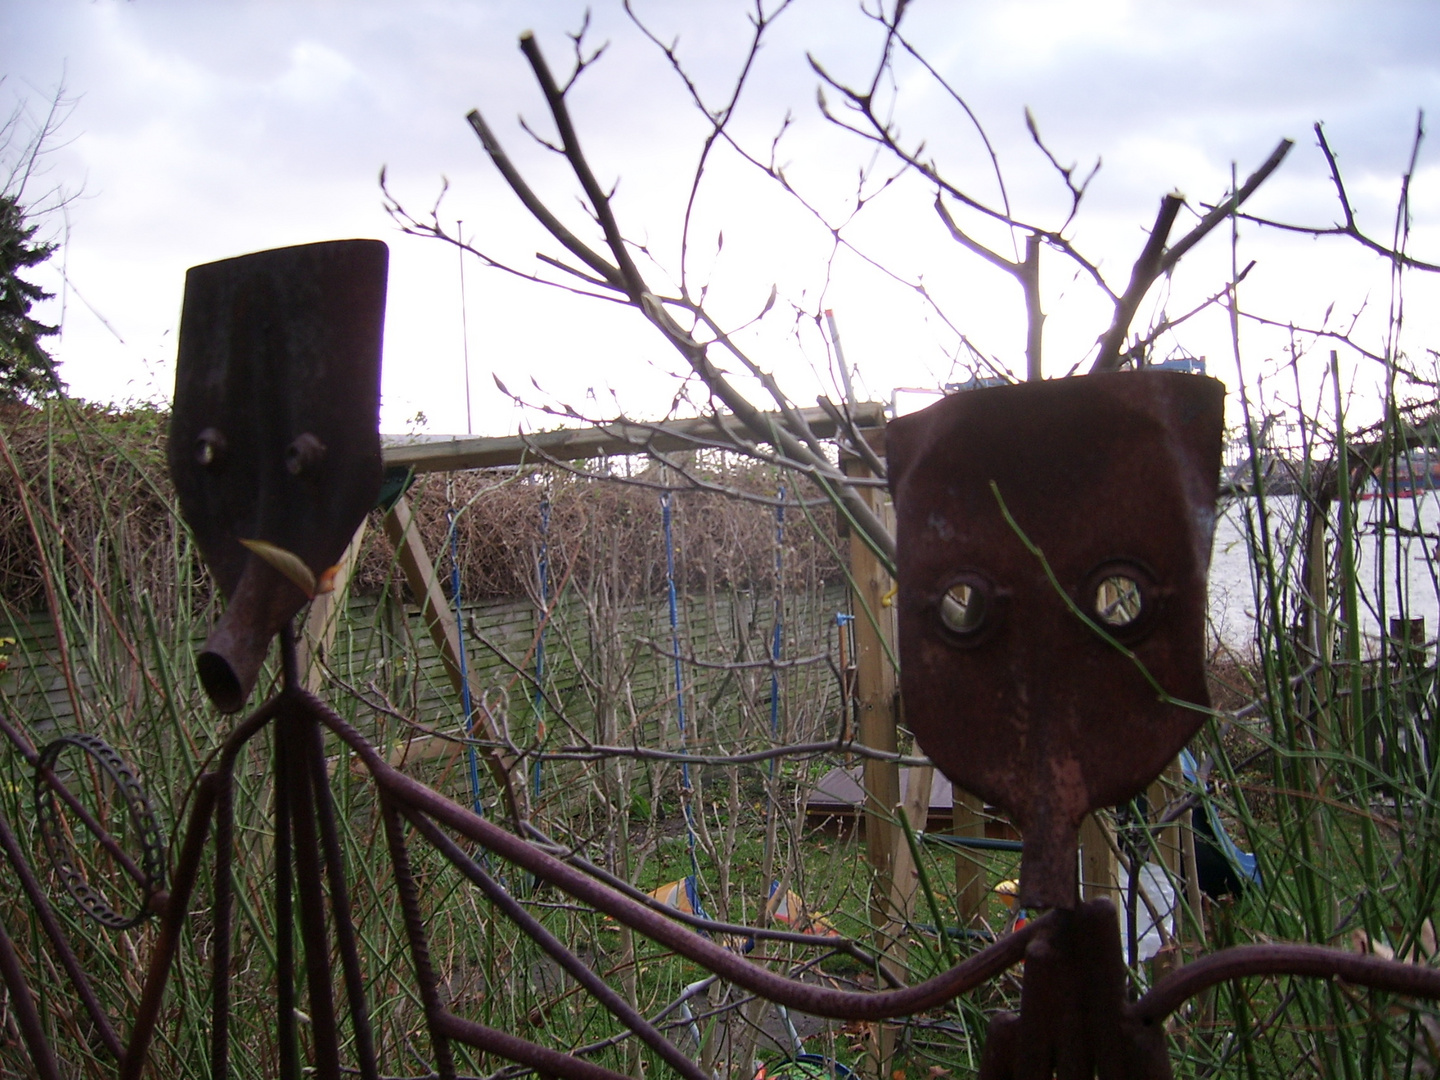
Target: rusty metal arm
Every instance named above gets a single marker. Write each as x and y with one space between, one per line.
815 1000
617 1005
1316 961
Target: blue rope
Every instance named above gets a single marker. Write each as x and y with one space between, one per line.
465 702
776 640
540 644
679 683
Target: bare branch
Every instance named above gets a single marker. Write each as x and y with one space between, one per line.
718 117
1399 258
959 100
802 447
974 246
1333 335
1067 173
538 210
434 230
884 135
581 60
1142 276
1335 178
599 199
1227 207
1029 274
843 422
1137 351
1351 227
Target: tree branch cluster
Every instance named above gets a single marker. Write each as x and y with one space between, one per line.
610 271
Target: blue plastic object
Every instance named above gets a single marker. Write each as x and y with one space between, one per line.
1245 865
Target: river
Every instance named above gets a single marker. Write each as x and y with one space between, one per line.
1397 567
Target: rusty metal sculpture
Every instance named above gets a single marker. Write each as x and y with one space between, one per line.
274 435
1053 545
1053 542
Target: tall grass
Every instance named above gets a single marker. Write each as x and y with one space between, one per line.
107 600
1319 759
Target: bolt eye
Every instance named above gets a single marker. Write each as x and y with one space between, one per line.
1119 601
962 608
303 454
969 608
210 448
1124 597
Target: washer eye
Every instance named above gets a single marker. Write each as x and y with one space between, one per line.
968 608
1119 601
962 608
1122 595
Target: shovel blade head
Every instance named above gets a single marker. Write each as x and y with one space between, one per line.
274 434
1110 484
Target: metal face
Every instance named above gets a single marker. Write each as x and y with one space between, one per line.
273 436
1010 685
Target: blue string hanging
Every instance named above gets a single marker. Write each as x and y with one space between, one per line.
465 702
776 640
544 574
685 788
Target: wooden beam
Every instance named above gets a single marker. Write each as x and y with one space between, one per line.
916 807
1167 848
624 437
876 702
1099 870
317 636
404 534
875 698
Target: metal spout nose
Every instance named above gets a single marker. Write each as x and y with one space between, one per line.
228 689
263 602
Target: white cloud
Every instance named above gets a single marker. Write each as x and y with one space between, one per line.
207 130
317 75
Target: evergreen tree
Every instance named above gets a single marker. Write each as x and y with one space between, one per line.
27 371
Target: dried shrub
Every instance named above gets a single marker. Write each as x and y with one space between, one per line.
101 475
98 489
721 541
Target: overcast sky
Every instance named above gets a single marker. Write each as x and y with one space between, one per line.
204 130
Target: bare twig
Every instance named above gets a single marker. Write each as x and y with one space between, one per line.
1350 227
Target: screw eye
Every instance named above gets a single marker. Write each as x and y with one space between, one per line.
968 608
210 448
303 454
1123 597
962 608
1119 601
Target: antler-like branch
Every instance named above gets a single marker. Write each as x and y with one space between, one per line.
1351 226
793 439
1156 260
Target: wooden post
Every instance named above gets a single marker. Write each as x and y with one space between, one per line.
317 636
1099 870
1167 848
404 534
876 703
972 889
919 781
875 699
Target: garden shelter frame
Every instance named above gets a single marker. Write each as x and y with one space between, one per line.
875 693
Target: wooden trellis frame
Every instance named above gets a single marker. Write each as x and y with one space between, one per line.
578 444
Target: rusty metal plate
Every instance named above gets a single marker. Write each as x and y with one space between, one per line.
1111 483
274 434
